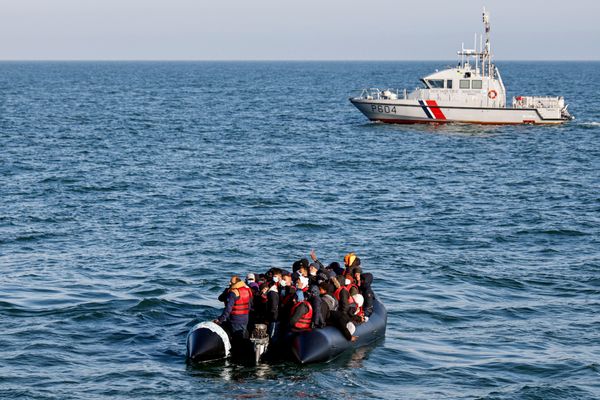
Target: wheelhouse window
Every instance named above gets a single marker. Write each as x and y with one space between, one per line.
449 84
476 84
465 84
436 83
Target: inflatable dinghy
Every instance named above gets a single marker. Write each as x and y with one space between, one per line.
208 341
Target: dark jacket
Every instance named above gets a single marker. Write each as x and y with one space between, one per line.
223 296
286 302
234 319
365 287
272 311
318 318
344 302
260 309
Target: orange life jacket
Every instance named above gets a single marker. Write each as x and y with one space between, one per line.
304 323
242 303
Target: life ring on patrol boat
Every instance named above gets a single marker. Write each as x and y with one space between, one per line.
492 94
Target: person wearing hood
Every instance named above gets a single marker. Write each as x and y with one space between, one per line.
319 318
259 303
237 308
301 288
313 274
352 264
367 292
359 313
303 262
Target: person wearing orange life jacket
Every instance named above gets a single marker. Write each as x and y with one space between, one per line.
301 316
341 294
237 308
343 316
350 285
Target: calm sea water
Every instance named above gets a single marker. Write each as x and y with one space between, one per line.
130 192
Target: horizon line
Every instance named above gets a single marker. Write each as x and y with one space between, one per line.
277 60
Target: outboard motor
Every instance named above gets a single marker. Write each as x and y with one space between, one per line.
260 340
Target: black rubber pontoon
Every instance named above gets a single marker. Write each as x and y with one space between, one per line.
321 345
207 341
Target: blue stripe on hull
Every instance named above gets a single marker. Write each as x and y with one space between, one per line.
424 107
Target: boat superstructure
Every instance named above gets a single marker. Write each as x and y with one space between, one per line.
471 92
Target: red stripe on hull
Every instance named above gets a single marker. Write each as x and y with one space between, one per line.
435 109
433 122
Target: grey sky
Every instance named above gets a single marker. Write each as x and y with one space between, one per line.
293 30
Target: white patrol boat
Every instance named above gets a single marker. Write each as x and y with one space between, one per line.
472 92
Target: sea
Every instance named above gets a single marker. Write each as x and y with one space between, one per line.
130 192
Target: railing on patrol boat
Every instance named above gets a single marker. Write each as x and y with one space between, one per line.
451 96
377 94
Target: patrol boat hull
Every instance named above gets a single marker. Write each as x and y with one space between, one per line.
431 111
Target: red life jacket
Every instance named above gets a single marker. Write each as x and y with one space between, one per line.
242 303
336 294
304 323
360 312
350 286
285 300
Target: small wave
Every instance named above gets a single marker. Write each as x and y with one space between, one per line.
35 236
150 304
592 123
59 180
552 232
310 225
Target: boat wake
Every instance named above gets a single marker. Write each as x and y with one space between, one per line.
590 124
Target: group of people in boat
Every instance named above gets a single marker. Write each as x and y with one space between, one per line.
309 296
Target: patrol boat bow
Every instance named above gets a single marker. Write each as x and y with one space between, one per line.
472 92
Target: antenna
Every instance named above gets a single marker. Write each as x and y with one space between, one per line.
487 53
481 54
475 47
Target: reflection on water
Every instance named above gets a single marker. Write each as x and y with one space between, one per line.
230 370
